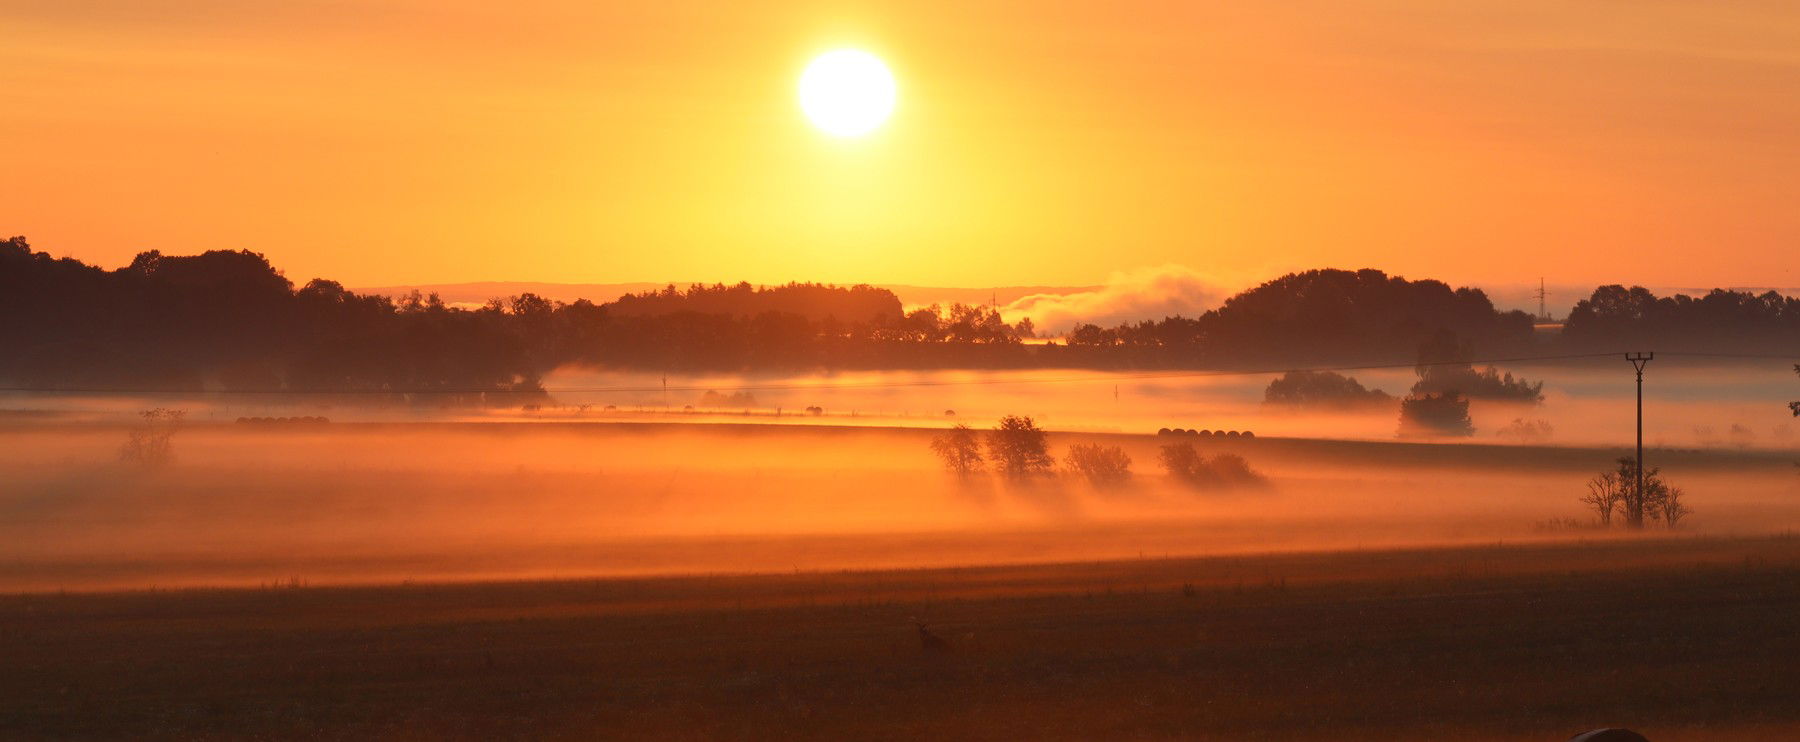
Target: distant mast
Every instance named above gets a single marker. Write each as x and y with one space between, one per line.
1542 294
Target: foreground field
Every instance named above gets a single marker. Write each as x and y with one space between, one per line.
1685 639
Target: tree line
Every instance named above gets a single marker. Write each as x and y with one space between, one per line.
1019 451
231 320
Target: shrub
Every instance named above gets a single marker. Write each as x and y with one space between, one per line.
1106 467
1187 466
150 444
1434 415
1527 431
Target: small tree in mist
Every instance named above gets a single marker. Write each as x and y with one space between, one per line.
1181 461
1105 467
1618 490
1527 431
959 450
1636 502
1019 448
1671 508
1187 466
1435 414
150 444
1604 493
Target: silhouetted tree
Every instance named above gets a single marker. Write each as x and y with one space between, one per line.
1321 389
1180 460
1670 507
1105 467
1185 464
1024 328
1604 492
231 319
1019 448
1435 414
959 450
1655 500
1444 366
1615 317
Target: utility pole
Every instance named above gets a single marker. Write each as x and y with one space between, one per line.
1638 361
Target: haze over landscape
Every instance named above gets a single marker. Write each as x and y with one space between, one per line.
790 370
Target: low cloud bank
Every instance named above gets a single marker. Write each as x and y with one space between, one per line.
1128 296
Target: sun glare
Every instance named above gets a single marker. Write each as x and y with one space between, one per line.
847 92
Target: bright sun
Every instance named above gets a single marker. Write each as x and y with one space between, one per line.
847 92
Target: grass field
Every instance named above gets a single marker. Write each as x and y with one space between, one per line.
1684 639
382 503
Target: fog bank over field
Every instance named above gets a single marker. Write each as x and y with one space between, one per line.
246 505
1688 402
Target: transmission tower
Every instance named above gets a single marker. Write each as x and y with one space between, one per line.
1542 294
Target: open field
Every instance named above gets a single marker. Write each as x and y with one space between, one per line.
483 580
360 503
385 502
1684 639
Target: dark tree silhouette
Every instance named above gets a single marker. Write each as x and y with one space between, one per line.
1434 415
229 319
1604 492
1322 389
959 450
1616 318
1018 447
1443 366
1655 501
1185 465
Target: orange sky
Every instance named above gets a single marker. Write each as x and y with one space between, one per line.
394 141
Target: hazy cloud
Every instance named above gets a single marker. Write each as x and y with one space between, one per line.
1128 296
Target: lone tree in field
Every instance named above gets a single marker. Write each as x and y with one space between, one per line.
1018 448
1670 508
959 450
1435 414
1106 467
1618 489
1604 493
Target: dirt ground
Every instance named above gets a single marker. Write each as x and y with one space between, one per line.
1683 638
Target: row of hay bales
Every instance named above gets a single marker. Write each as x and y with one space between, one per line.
282 420
1165 432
